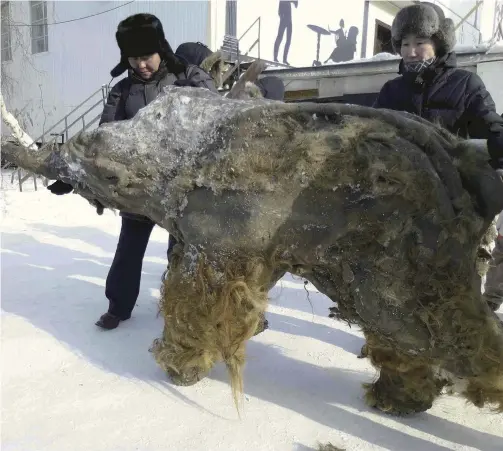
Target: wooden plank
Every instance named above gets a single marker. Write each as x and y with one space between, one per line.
301 94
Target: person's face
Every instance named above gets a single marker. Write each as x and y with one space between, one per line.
415 49
145 66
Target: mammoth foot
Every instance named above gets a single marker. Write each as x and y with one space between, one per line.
403 393
393 403
486 392
262 325
364 352
188 377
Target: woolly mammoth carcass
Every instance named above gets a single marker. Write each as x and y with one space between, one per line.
381 211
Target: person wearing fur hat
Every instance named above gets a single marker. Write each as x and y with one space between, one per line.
431 86
151 65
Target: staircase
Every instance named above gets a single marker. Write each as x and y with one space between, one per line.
79 119
498 23
232 55
230 48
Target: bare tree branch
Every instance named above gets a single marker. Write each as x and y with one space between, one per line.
18 133
11 83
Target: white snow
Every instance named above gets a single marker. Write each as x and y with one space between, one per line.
67 386
484 47
497 47
384 56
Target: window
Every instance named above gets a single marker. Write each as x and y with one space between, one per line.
39 32
6 36
382 38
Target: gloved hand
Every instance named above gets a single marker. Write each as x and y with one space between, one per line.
99 206
59 188
186 82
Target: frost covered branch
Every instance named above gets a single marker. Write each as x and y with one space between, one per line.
18 133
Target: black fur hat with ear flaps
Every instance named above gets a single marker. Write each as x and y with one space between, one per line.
141 35
426 20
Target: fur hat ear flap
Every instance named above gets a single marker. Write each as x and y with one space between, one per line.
426 20
445 38
122 67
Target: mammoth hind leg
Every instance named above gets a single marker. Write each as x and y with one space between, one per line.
210 310
406 384
486 391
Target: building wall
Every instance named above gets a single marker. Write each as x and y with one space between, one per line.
328 14
490 73
44 87
82 53
303 47
384 12
217 23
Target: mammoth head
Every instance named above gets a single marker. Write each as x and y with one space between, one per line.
215 65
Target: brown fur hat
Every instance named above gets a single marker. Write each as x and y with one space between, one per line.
426 20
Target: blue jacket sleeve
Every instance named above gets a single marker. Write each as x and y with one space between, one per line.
114 108
200 78
383 99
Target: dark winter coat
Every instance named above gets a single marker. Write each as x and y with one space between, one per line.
271 87
132 93
454 98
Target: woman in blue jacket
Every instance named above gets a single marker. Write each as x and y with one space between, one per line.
152 65
431 85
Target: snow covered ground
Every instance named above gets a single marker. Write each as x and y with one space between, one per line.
67 386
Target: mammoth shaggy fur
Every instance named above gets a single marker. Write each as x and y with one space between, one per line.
382 211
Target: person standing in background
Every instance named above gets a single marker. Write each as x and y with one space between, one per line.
431 85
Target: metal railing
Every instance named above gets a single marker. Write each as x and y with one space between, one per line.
498 23
477 34
65 133
258 21
239 55
463 21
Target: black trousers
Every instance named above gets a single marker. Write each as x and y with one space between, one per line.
123 280
124 277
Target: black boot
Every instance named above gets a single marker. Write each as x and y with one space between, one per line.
108 321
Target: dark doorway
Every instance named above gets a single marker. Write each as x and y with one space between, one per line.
382 38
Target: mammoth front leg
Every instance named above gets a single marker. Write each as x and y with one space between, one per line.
185 351
406 384
211 307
